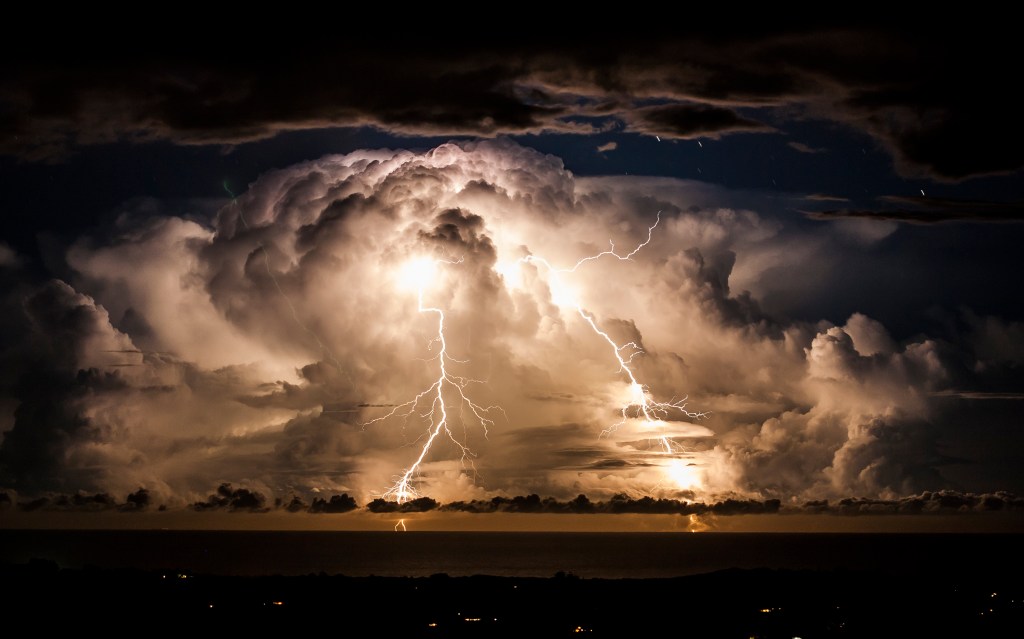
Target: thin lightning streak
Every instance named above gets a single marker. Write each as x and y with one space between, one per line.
640 396
611 251
295 314
641 404
401 526
437 410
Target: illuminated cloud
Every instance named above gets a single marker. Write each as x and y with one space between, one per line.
250 353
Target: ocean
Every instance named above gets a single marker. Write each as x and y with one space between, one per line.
531 554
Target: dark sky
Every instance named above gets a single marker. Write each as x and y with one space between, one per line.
848 196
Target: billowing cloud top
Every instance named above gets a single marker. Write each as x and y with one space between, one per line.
258 350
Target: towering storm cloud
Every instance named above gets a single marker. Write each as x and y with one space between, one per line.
259 347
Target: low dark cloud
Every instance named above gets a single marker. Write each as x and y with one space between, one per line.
617 505
928 502
137 501
336 504
418 505
233 500
938 502
243 500
78 502
940 104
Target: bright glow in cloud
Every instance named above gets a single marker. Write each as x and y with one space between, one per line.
684 475
417 274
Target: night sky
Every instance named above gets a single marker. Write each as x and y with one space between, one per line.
209 304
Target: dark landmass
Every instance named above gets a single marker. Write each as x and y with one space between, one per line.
732 603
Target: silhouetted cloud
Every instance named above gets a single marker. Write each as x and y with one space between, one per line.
938 502
81 502
233 500
136 501
926 503
418 505
336 504
243 500
618 504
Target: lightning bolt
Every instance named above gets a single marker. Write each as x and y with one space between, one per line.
432 401
641 403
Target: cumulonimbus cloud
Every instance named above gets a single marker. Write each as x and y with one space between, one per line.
252 352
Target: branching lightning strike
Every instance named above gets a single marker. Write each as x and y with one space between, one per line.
641 403
448 390
436 409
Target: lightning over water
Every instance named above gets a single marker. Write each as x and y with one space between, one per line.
432 405
448 392
640 403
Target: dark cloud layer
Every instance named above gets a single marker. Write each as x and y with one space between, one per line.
233 500
242 500
617 505
137 501
938 99
418 505
336 504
